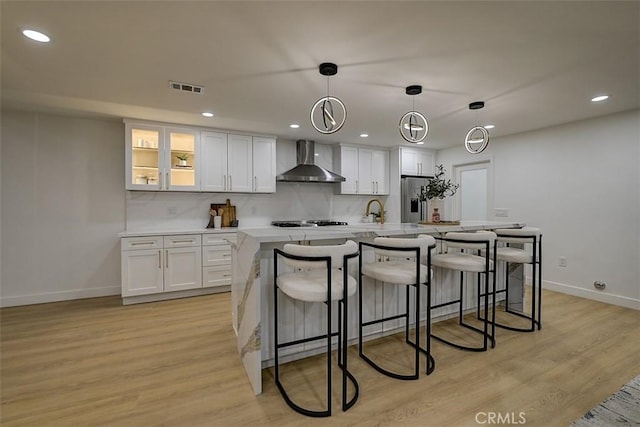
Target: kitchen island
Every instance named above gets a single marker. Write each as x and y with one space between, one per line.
252 288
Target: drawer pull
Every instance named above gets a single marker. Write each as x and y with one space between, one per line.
227 275
142 243
183 241
226 255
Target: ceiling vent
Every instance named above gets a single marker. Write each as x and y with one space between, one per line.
186 87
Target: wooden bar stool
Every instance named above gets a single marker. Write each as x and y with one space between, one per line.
320 275
531 253
399 262
455 258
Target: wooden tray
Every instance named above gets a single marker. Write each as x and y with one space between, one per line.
439 223
228 213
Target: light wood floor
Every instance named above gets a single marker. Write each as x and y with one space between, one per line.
174 363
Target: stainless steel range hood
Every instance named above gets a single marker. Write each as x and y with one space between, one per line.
307 171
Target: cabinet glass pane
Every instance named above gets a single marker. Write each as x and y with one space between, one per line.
183 158
145 156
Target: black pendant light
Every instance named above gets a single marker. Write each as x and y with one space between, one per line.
477 138
328 114
413 125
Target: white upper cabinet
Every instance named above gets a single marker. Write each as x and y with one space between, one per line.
214 161
417 161
366 170
160 158
238 163
163 157
264 165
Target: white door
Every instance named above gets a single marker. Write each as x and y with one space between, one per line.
264 165
365 173
142 272
475 196
240 163
213 161
380 171
183 269
349 169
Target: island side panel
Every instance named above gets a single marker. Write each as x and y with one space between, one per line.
246 301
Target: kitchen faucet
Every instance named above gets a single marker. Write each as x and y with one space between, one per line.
381 209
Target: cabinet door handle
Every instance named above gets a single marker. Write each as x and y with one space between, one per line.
230 183
167 258
159 259
357 186
167 180
224 185
255 183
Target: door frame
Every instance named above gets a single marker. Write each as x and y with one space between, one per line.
457 168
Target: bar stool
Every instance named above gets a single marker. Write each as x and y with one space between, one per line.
468 262
399 263
524 236
320 275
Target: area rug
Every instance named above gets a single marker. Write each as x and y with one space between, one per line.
620 409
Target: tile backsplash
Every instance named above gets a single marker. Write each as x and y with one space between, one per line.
151 210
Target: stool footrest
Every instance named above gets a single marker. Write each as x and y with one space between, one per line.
374 322
305 340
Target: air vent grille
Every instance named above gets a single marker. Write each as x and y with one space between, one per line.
186 87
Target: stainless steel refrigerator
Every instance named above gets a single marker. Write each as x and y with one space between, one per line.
410 208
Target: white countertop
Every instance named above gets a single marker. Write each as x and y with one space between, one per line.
278 234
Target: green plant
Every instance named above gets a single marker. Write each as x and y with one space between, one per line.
183 156
438 187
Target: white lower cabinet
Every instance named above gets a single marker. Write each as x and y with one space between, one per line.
216 260
164 267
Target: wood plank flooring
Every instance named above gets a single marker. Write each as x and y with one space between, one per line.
95 362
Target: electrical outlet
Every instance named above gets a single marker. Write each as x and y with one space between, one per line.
501 212
172 211
562 261
599 285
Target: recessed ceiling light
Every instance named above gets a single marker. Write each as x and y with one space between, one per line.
207 114
364 135
600 98
294 126
36 35
489 126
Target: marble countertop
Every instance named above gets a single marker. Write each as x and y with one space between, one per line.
276 234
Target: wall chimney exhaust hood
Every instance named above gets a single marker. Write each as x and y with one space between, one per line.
307 171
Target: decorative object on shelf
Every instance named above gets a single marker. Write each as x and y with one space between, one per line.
182 158
413 125
328 114
477 138
436 190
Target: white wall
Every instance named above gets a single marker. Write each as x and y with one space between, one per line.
580 183
62 207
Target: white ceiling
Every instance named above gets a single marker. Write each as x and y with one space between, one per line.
535 64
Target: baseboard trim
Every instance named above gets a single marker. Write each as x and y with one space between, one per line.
59 296
593 295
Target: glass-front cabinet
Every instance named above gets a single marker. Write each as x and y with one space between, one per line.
161 158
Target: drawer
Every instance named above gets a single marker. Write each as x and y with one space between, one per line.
216 276
218 239
137 243
216 255
182 240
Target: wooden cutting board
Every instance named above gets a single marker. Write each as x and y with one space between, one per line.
228 212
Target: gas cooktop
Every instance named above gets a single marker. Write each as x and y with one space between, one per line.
307 223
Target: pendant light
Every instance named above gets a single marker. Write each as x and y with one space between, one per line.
328 114
477 138
413 125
